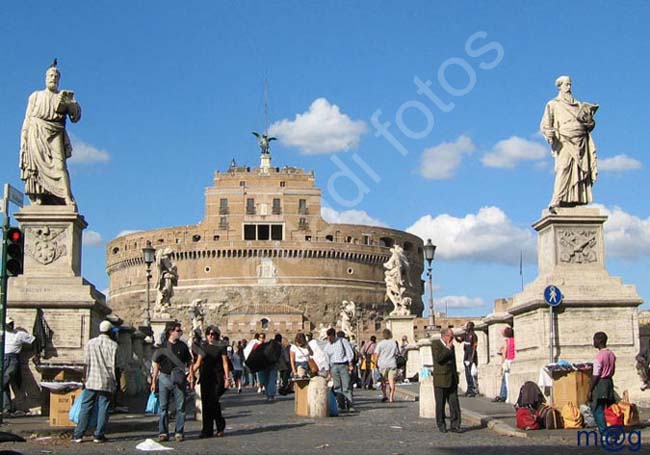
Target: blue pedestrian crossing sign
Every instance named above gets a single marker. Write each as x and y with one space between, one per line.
553 295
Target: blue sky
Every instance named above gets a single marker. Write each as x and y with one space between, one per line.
170 92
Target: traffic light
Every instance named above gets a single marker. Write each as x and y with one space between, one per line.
15 251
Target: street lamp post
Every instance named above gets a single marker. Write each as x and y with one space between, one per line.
149 255
429 253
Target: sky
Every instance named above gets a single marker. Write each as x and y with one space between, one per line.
422 116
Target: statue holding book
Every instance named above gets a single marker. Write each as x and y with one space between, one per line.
567 125
45 145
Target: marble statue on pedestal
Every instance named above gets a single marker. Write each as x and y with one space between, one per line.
348 316
198 315
45 145
166 279
396 278
567 125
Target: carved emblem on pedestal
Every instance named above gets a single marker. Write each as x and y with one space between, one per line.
48 244
577 246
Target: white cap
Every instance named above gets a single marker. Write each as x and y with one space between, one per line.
105 326
9 321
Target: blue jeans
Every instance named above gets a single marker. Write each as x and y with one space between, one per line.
599 415
268 378
342 383
12 370
92 398
165 389
504 387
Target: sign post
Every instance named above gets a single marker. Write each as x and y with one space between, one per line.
553 297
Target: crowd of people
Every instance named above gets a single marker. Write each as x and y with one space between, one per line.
214 364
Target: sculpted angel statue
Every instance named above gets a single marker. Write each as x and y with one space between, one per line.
167 278
347 315
567 125
397 279
263 140
45 145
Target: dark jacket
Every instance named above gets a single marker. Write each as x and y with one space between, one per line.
444 365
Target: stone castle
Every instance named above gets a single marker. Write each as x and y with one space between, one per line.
263 258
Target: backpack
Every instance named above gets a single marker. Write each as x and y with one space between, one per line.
530 396
526 419
571 416
550 418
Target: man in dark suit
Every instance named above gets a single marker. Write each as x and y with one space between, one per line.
445 381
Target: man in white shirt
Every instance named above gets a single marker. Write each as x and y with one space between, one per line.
14 341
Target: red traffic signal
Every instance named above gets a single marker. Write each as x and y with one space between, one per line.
15 244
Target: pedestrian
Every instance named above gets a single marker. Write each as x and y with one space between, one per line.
268 377
284 368
341 363
445 381
14 341
470 357
237 361
368 362
507 353
299 354
100 359
214 379
385 357
601 391
171 374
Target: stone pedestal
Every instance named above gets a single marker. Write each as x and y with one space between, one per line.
158 324
52 281
427 399
571 255
400 326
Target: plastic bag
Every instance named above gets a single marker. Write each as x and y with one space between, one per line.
587 416
474 370
75 411
153 404
425 373
376 375
332 405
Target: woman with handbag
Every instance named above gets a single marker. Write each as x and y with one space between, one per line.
507 353
300 354
212 363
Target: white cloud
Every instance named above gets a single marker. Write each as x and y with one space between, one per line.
92 238
457 301
619 163
509 152
440 162
487 236
127 232
322 129
626 236
84 153
349 217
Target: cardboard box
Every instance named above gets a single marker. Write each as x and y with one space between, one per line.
571 386
60 404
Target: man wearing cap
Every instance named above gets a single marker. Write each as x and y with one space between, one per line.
14 341
101 356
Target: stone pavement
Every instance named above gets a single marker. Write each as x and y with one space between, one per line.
255 426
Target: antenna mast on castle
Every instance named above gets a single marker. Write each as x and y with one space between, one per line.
264 139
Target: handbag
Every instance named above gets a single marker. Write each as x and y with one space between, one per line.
153 404
178 375
630 411
313 366
75 411
400 360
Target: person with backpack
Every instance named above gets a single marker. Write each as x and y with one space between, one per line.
170 363
445 381
601 391
212 363
385 357
268 377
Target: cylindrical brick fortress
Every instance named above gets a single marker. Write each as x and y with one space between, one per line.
263 247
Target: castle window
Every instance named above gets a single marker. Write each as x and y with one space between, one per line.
329 238
277 208
242 183
262 232
250 206
250 232
223 206
223 222
216 237
276 232
366 239
408 246
348 239
196 238
283 184
264 323
386 241
302 206
308 238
